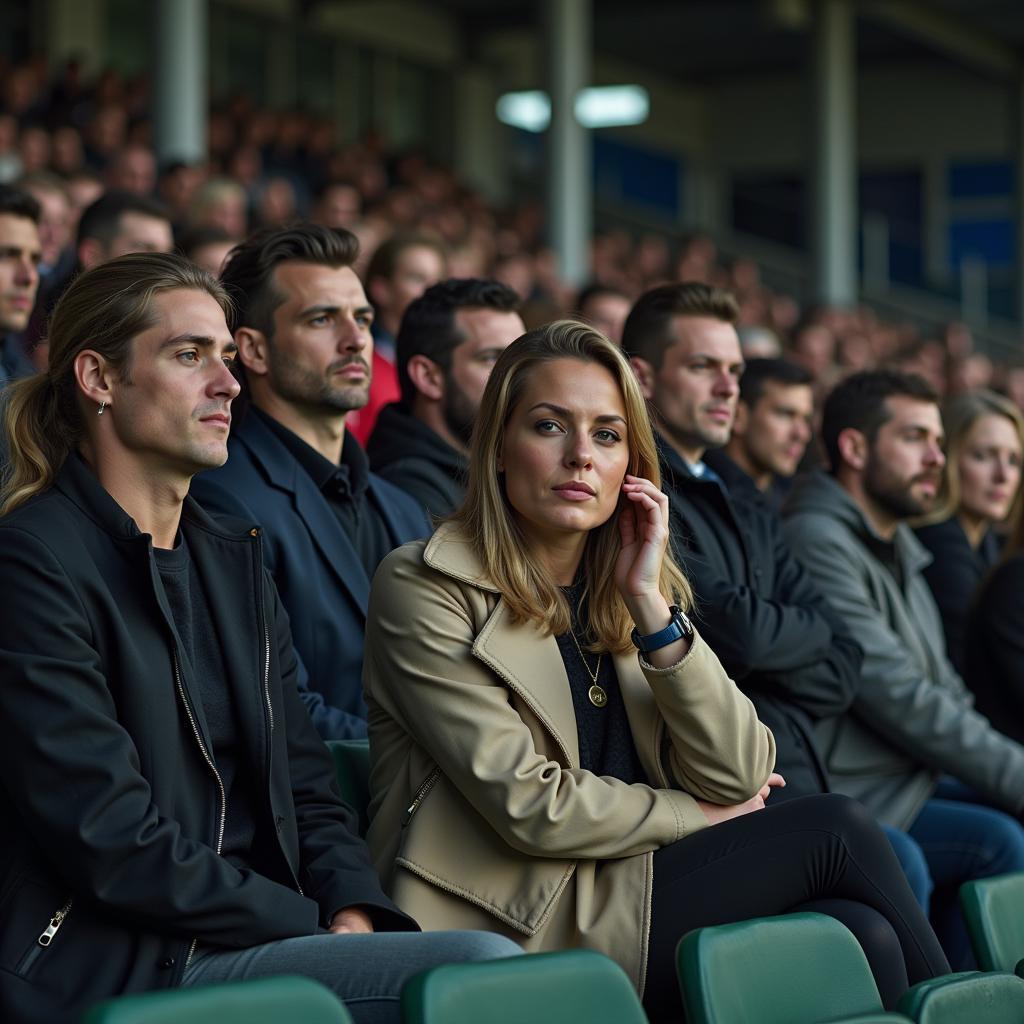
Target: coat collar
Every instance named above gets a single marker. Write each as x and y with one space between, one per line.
451 552
528 660
79 484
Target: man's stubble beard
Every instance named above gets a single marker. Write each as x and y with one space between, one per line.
706 439
892 495
458 412
307 389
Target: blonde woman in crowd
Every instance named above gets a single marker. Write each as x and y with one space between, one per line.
557 754
980 492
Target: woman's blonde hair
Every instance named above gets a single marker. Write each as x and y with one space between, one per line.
959 416
487 518
103 310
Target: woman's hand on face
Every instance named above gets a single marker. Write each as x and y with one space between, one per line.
716 813
643 529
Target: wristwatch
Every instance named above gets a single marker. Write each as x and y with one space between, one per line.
679 628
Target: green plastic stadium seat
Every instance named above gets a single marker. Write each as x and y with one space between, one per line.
352 765
994 911
792 969
967 998
542 988
266 1001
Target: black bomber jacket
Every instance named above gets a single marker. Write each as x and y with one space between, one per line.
112 807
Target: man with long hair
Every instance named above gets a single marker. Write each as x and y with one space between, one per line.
171 814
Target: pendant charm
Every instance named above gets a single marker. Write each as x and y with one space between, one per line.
597 696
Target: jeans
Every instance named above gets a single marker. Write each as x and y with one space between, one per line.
963 839
914 864
366 972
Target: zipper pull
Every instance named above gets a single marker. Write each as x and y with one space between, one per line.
411 810
55 922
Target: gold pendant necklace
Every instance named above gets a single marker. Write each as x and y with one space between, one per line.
596 694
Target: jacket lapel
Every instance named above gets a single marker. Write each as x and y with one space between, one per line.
532 667
521 655
330 539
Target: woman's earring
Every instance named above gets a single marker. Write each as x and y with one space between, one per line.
99 411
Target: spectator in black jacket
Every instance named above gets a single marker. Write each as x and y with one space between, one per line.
980 489
759 611
169 809
773 426
448 342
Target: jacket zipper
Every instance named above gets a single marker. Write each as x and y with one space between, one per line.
266 674
421 794
55 922
213 768
255 533
44 939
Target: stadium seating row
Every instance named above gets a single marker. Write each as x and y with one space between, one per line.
794 969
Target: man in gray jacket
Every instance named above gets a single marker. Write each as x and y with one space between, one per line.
912 747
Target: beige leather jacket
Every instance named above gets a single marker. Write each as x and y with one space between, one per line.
481 816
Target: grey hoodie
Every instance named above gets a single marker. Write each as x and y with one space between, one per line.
912 719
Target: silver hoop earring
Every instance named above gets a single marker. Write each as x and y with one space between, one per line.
99 411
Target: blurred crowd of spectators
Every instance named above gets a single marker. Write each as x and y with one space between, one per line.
69 138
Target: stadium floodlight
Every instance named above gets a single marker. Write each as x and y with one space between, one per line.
608 106
530 110
604 106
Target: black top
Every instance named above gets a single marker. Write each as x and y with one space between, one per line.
994 648
344 486
955 575
190 611
605 739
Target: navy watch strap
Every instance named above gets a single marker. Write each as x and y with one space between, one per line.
678 628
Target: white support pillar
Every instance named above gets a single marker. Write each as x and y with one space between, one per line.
834 225
180 85
570 201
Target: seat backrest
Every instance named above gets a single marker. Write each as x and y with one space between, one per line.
986 998
994 911
539 988
792 969
352 766
264 1001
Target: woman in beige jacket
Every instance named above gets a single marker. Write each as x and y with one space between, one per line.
550 736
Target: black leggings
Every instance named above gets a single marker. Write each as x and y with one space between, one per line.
820 853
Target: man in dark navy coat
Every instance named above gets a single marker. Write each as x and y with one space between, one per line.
303 334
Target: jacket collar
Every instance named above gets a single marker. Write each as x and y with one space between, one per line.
821 492
399 434
77 482
519 652
527 659
282 470
451 552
